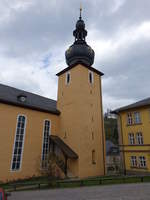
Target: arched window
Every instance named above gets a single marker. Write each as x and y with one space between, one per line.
19 143
45 147
68 77
91 78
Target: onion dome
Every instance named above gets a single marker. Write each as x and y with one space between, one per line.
80 52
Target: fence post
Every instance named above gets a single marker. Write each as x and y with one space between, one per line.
81 183
100 181
57 184
142 179
124 179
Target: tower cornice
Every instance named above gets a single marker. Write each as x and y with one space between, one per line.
90 68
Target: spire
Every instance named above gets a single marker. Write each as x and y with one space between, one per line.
80 12
80 52
80 33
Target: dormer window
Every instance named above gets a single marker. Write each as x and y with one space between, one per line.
91 78
68 77
22 98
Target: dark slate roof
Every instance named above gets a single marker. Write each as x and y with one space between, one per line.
70 67
144 102
64 147
10 95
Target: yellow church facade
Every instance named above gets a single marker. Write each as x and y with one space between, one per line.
31 126
134 126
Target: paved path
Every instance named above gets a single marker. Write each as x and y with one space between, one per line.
139 191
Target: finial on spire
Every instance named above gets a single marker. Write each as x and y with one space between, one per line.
80 11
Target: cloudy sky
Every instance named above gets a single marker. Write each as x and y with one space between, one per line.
34 35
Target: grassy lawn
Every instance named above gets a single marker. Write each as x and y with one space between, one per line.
45 183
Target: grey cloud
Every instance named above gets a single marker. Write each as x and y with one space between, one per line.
132 12
29 34
129 73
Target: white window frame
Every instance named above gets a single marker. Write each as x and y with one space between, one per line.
92 77
133 160
131 138
43 142
139 138
129 118
142 162
137 118
21 157
68 74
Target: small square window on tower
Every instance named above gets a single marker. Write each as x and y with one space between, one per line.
91 77
68 78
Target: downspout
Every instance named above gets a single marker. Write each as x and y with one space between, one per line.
121 134
103 135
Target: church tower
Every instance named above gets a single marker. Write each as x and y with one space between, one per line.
80 103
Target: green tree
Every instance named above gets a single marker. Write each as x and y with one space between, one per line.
111 131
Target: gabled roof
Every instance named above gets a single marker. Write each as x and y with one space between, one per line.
11 95
70 67
144 102
64 147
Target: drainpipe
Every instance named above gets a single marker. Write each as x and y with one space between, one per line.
103 132
121 141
